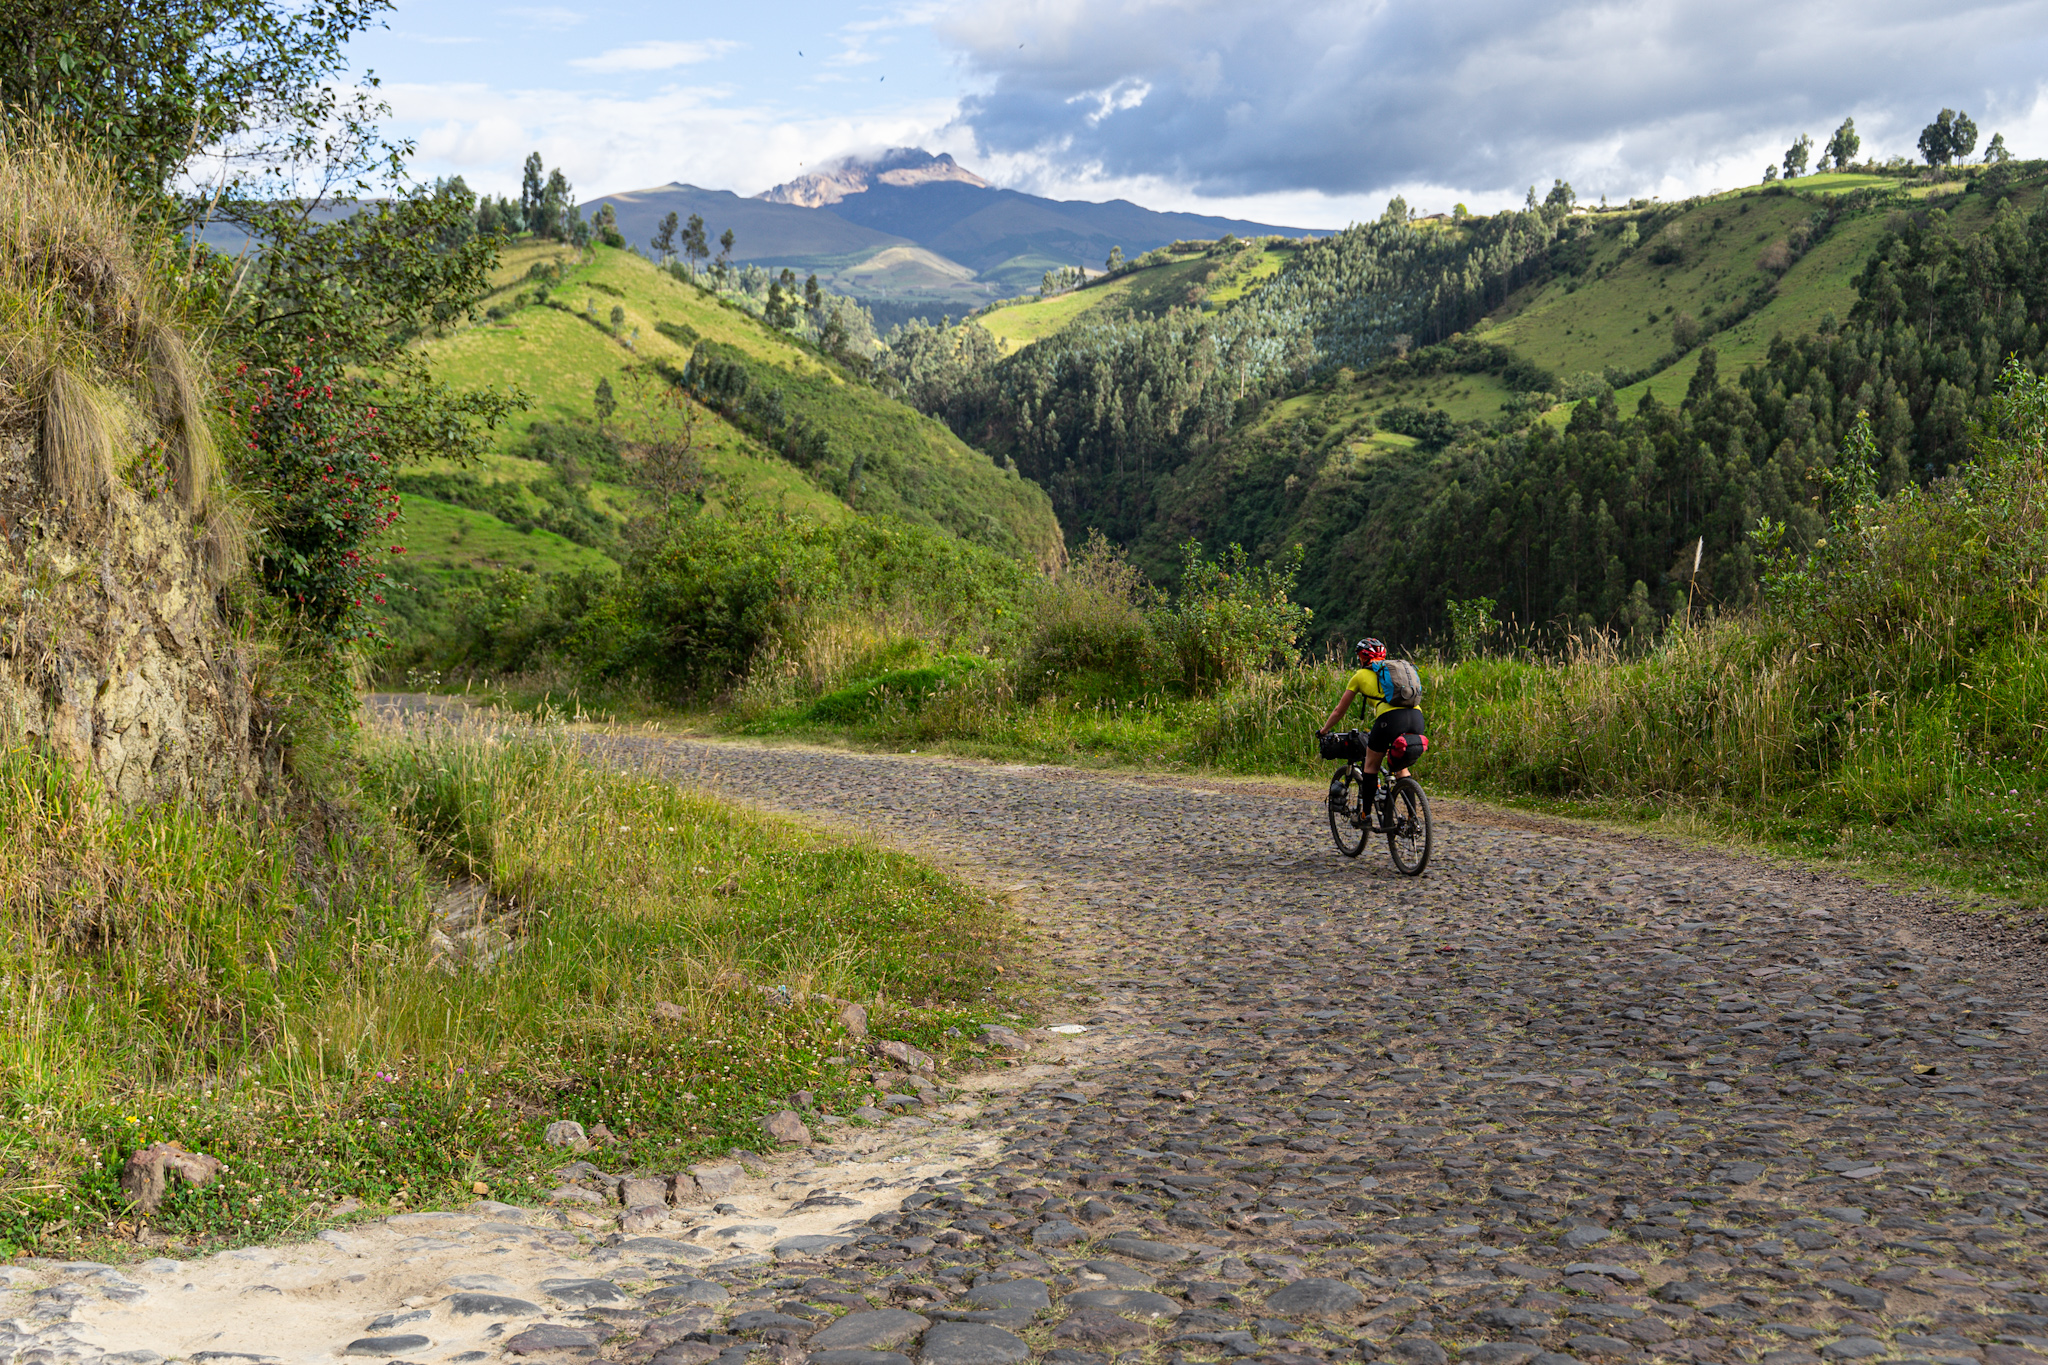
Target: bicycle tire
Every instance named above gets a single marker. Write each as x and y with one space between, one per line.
1409 835
1347 804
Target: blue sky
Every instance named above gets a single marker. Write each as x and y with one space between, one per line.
1311 112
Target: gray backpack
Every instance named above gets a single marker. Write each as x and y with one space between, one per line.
1400 684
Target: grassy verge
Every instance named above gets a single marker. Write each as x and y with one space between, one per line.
1707 737
289 994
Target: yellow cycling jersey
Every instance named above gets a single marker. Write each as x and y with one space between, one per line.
1366 683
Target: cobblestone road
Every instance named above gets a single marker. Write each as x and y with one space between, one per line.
1570 1097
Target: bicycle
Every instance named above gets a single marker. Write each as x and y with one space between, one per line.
1403 817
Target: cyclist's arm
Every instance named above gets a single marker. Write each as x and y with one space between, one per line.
1343 705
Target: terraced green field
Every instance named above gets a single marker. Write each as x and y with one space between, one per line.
1195 281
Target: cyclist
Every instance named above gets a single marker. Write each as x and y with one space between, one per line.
1391 719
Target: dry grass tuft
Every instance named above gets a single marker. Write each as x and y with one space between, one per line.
99 354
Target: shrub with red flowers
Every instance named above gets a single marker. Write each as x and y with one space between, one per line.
310 440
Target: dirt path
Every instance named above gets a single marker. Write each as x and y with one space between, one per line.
1570 1097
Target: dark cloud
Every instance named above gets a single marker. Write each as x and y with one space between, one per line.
1352 96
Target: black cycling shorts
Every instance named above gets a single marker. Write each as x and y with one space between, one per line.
1406 721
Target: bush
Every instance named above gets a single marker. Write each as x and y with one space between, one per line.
714 596
1093 617
312 444
1230 617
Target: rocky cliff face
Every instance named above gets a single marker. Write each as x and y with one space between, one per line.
901 166
112 652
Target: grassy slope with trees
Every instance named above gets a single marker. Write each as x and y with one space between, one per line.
556 474
1411 395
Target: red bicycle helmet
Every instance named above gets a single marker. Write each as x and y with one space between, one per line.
1370 651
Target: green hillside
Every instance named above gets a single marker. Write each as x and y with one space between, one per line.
1184 275
1420 479
559 489
1547 407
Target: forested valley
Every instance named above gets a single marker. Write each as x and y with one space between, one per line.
1232 425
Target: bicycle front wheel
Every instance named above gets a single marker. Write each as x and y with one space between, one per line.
1409 837
1348 815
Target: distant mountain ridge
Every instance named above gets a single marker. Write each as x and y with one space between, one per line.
987 228
899 166
763 231
913 234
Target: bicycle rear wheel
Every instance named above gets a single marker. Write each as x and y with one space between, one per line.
1409 836
1348 817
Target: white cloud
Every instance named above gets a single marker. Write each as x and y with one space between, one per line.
656 54
1123 95
1363 97
609 143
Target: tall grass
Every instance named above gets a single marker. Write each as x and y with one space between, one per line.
297 994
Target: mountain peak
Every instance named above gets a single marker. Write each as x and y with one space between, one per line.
856 175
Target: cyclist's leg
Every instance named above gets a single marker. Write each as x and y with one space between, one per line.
1384 730
1417 724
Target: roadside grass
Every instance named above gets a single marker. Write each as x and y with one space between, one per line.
1706 738
276 988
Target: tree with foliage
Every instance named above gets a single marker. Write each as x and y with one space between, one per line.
618 318
604 402
1843 146
1949 139
532 189
1115 261
1771 173
814 295
461 228
1396 210
1561 196
694 245
664 239
551 218
1796 157
256 83
781 307
1995 152
1962 137
725 241
604 224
